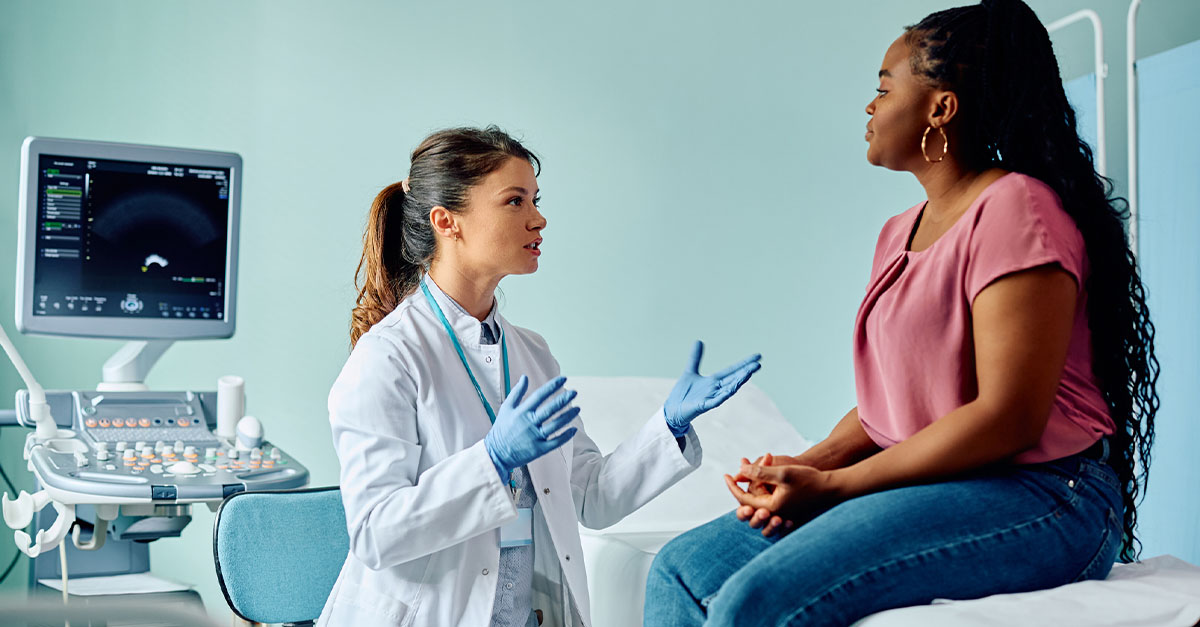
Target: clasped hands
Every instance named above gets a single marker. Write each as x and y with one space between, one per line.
782 490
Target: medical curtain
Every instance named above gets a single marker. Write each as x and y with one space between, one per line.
1169 231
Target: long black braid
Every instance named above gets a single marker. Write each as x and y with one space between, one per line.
997 57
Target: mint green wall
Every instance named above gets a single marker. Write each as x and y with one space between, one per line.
704 174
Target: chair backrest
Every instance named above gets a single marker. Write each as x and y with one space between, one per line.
278 552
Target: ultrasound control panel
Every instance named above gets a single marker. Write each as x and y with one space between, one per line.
149 447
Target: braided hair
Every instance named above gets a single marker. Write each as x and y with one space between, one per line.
997 57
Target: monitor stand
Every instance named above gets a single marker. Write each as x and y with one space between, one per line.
127 369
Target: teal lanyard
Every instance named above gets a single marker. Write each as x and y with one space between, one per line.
457 347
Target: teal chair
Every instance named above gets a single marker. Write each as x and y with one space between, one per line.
279 552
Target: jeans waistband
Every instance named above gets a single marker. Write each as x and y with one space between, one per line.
1097 451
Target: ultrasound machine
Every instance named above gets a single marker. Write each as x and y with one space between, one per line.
137 243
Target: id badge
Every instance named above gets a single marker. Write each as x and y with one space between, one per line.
520 531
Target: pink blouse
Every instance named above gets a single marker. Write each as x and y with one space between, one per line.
914 359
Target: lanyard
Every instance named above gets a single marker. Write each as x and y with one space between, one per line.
512 482
462 357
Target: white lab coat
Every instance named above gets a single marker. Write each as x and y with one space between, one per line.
423 501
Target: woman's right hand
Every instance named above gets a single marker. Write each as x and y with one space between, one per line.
522 430
763 516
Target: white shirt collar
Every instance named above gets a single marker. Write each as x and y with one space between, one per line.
464 324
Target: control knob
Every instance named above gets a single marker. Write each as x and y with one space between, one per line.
183 468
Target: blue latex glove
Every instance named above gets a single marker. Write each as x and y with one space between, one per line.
522 430
694 394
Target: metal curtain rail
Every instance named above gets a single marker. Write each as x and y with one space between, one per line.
1101 74
1131 121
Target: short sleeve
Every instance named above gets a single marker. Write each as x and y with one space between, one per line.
1019 226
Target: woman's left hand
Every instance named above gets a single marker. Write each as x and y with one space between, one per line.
792 491
695 394
759 517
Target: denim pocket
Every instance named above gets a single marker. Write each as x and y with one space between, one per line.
1102 472
1102 561
1059 479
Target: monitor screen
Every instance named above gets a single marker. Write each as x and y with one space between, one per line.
127 241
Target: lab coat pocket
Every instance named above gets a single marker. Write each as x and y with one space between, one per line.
367 606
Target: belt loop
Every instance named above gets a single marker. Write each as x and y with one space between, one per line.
1104 452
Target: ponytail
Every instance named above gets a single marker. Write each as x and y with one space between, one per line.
384 276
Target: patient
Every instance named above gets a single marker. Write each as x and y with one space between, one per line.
1004 366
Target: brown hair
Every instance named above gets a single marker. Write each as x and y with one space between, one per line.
398 241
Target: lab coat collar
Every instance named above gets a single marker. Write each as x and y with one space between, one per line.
465 326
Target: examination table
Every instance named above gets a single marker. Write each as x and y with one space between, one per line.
1162 591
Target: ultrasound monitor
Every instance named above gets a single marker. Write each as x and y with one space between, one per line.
127 241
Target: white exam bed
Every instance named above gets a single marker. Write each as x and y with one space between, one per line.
1163 591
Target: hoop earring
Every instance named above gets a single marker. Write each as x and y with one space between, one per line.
945 144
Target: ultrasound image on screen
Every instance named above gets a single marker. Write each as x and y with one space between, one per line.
154 234
122 238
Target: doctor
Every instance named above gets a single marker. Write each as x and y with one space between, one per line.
464 472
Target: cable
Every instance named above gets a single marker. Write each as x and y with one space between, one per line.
11 488
5 475
62 559
12 563
7 481
62 552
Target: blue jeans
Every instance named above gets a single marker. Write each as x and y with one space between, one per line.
1009 529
